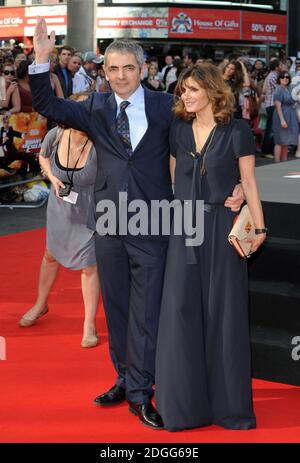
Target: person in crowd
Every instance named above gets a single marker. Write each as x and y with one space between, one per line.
285 123
258 75
68 157
189 59
203 367
200 61
152 82
24 88
269 88
12 102
74 65
171 76
19 58
179 67
133 159
55 82
84 79
166 71
62 72
295 92
102 84
236 77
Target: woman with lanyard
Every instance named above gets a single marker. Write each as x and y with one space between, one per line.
69 160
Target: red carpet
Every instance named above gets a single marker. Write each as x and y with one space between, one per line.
48 381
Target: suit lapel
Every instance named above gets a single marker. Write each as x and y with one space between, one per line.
110 112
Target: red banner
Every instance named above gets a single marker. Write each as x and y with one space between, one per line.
264 27
204 24
11 22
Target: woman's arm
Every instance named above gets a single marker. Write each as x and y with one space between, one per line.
16 101
13 94
248 180
45 164
57 87
246 82
172 168
278 107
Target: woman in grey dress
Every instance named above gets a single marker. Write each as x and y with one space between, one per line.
69 155
285 124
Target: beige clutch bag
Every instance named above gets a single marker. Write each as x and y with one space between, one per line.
242 229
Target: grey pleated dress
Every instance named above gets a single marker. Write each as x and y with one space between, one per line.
68 239
203 365
287 136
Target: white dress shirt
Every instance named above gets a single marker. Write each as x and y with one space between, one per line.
136 114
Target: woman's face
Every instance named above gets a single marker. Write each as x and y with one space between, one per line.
194 97
229 71
152 70
9 74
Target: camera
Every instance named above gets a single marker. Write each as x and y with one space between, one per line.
65 191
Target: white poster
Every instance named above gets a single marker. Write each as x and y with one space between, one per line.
132 22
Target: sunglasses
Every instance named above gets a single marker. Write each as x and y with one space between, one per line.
284 77
7 73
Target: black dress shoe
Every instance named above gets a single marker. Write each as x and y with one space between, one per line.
115 395
147 414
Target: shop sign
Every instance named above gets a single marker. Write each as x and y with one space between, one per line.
264 27
11 22
198 23
132 22
55 16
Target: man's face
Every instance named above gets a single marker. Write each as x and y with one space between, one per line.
74 64
168 60
90 66
123 72
64 57
186 60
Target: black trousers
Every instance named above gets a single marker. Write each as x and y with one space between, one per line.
131 274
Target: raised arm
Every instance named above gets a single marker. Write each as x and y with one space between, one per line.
67 113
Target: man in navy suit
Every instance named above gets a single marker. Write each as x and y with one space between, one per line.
130 131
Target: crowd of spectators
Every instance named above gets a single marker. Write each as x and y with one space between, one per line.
267 95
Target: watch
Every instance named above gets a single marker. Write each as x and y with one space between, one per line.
260 231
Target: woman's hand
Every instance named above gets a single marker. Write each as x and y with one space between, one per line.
12 87
284 124
257 242
56 183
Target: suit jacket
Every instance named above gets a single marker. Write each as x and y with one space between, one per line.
145 175
67 90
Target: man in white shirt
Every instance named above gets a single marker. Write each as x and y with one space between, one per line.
83 80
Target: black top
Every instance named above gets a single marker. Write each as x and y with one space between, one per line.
230 141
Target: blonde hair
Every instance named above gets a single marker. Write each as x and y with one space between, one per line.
219 93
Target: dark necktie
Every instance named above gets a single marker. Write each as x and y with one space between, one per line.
123 127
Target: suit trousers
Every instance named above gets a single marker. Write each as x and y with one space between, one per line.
131 272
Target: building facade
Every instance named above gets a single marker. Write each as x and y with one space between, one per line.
210 29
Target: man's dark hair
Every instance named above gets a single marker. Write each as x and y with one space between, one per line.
274 64
66 47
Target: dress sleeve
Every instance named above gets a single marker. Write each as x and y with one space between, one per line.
173 138
243 139
47 144
278 95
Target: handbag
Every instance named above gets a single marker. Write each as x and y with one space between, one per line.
243 229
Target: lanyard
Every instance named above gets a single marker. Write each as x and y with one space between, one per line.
74 168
